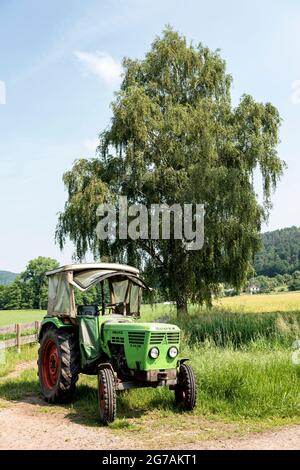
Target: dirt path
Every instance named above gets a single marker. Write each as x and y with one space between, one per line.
23 427
32 425
284 439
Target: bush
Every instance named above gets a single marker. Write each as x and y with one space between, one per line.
294 285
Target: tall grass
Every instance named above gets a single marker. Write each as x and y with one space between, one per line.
235 386
252 384
226 329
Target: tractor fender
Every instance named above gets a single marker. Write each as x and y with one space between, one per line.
50 323
181 361
107 365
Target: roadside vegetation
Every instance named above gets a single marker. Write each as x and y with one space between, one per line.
246 378
11 358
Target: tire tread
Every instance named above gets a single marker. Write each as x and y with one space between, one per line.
106 377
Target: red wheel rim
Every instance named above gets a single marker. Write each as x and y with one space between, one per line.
50 363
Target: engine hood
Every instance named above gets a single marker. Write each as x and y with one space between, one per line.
114 324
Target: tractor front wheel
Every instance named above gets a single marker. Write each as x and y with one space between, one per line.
185 390
106 396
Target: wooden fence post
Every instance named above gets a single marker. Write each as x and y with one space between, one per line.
18 330
37 327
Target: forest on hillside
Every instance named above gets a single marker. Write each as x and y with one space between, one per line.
280 253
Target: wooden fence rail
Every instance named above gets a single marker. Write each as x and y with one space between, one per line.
19 339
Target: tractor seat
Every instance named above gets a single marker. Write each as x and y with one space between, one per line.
88 310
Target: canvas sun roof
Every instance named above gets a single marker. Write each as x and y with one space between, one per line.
85 279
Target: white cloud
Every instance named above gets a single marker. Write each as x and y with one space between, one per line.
295 96
91 144
101 64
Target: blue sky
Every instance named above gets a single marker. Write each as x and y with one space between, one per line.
59 67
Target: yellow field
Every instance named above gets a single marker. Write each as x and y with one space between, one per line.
277 302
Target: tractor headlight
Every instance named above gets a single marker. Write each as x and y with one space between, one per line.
173 352
154 353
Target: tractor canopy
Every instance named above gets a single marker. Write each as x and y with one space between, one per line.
120 288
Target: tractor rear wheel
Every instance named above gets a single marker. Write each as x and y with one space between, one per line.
106 396
185 390
58 365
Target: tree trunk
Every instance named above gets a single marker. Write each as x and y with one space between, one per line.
182 309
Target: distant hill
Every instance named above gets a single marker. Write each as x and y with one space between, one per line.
280 253
6 277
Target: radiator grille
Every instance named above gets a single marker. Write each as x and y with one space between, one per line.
117 339
157 338
173 338
136 337
167 338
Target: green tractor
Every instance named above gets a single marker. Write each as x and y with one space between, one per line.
105 339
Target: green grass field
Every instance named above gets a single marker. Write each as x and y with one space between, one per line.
10 317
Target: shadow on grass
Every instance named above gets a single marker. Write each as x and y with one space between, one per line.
83 409
19 390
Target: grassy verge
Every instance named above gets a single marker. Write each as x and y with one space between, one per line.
238 392
12 358
245 376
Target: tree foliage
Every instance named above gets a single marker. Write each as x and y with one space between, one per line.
175 137
267 284
30 289
34 278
